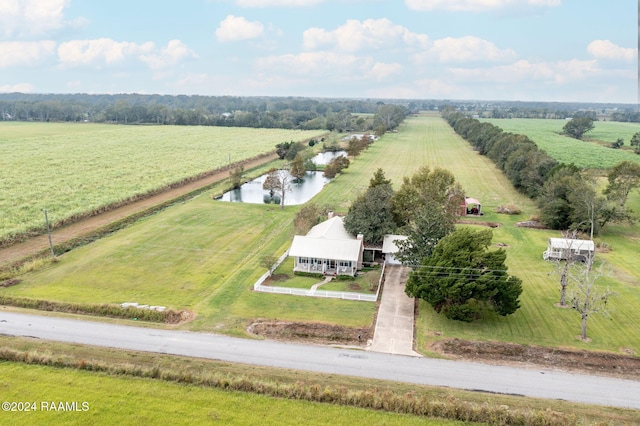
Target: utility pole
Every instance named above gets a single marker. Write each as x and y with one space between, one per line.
46 219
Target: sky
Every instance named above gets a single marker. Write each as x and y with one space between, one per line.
512 50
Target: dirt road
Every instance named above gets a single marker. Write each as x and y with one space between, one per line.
17 252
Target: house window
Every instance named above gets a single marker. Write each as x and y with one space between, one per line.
303 260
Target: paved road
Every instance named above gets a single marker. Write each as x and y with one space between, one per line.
437 372
394 325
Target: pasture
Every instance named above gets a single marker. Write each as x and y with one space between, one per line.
591 153
205 255
73 169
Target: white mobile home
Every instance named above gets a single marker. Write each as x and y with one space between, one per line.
567 248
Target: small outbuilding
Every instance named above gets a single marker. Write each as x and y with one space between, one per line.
471 206
567 248
389 248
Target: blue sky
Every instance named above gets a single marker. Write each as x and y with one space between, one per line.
528 50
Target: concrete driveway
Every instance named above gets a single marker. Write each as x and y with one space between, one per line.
394 326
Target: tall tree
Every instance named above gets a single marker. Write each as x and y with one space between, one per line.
462 279
623 178
423 187
236 176
578 126
370 214
429 225
278 181
379 179
298 169
587 298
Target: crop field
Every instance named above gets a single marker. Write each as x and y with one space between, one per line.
205 255
74 169
591 153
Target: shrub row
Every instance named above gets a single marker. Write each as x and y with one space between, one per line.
409 403
106 310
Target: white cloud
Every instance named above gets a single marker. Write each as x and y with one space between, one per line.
464 49
526 71
419 89
276 3
605 49
31 18
17 88
371 34
381 71
234 28
476 5
13 53
98 52
328 65
174 52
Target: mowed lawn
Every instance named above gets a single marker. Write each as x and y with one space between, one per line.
539 321
75 168
112 400
205 255
592 152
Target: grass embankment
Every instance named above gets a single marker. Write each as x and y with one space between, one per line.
74 169
592 153
175 379
121 400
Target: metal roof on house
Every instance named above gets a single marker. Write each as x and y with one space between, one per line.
321 248
327 240
332 229
566 243
389 243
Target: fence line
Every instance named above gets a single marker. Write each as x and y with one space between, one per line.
257 286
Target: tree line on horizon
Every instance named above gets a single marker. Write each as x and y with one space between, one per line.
228 111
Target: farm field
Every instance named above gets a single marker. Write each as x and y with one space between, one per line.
126 400
591 153
74 169
205 255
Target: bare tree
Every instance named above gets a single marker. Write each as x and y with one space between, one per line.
586 297
278 181
562 269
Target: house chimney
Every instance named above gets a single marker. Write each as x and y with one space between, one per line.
360 237
331 214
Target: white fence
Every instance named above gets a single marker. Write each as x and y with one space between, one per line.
314 293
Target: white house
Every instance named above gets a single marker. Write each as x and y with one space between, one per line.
389 248
327 249
565 248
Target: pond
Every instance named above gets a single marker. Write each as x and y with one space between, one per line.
301 192
327 156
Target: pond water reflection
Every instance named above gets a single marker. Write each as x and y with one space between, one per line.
326 157
301 192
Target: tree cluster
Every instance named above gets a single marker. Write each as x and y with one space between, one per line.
567 197
462 279
578 126
335 166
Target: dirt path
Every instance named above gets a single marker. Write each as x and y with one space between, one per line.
15 253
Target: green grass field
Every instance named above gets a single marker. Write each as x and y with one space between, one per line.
73 169
591 153
136 401
205 255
